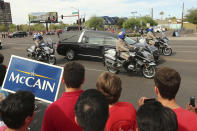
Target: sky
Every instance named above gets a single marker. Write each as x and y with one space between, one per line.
87 8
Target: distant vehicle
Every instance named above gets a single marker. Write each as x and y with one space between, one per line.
159 29
50 33
18 34
72 28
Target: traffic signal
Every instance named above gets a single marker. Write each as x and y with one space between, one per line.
79 21
84 20
62 16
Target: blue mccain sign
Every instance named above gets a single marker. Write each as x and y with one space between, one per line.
42 79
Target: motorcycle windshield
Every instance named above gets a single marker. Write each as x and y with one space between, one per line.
130 41
49 41
147 55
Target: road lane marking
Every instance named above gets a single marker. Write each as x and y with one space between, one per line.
90 69
95 70
181 60
184 46
186 51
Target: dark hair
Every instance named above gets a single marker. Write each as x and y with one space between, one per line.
92 110
110 86
2 73
152 116
16 108
74 74
167 80
1 58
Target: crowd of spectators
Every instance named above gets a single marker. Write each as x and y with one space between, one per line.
100 109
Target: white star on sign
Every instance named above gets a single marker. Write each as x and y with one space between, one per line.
32 74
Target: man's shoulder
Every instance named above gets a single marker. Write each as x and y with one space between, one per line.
123 107
185 113
126 104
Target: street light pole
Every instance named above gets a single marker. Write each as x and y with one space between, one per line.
79 23
182 16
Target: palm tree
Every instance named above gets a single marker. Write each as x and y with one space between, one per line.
161 13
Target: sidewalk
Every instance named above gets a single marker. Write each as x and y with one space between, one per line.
183 38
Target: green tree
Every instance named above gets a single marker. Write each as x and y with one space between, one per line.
39 27
131 23
12 28
192 16
95 22
172 18
53 27
2 28
24 27
120 22
146 20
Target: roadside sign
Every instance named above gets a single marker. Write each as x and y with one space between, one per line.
75 12
42 79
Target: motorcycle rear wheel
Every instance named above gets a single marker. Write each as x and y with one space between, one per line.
167 51
149 71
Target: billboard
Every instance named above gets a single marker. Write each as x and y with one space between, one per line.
43 17
42 79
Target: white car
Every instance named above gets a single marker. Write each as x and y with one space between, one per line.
159 29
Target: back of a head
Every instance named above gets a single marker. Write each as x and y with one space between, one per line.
110 86
1 58
16 108
92 110
2 73
74 74
152 116
167 80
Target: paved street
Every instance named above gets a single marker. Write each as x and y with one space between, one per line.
184 60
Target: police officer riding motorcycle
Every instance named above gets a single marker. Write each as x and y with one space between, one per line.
129 58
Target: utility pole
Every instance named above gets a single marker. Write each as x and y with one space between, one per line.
182 16
79 22
152 13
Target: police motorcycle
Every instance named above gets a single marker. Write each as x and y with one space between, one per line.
140 61
142 42
162 43
45 53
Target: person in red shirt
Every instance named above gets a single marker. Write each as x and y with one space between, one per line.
167 83
60 115
92 110
153 116
122 114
